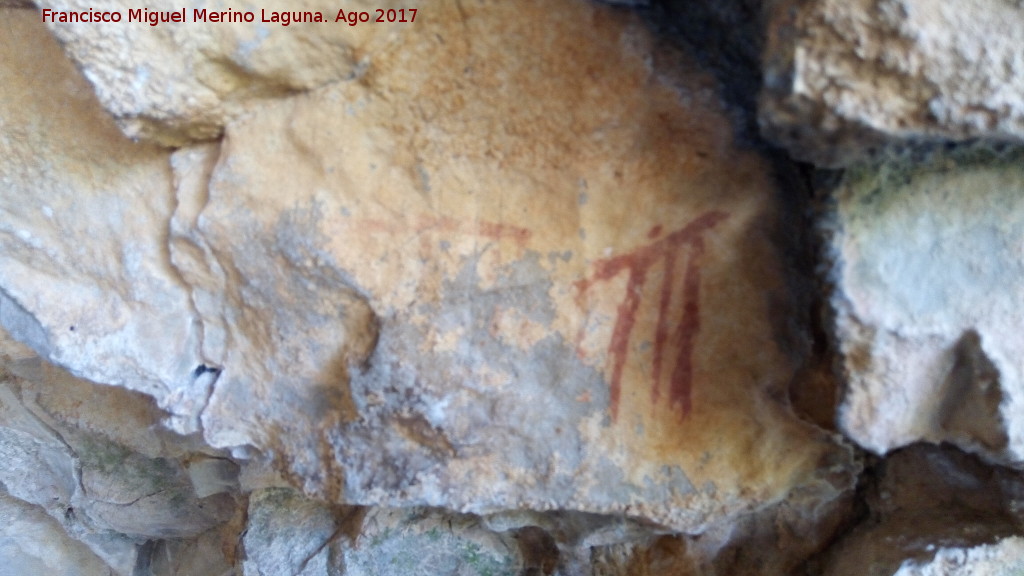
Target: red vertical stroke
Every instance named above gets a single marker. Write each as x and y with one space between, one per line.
638 262
661 332
682 376
626 317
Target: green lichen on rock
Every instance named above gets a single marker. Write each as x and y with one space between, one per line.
873 182
399 542
134 473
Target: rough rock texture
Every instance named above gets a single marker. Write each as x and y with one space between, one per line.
290 534
84 274
926 267
457 280
843 77
176 82
33 543
529 271
94 459
774 541
421 542
929 506
727 37
513 289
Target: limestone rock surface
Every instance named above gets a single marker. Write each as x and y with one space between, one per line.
288 533
507 266
926 262
423 542
33 543
96 461
465 254
84 275
842 78
181 81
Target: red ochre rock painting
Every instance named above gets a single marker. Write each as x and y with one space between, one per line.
448 225
683 338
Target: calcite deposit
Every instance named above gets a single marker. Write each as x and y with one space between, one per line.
843 79
928 302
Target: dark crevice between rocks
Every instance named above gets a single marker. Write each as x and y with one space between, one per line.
969 413
207 377
144 559
917 500
538 551
817 389
349 522
203 369
726 39
860 513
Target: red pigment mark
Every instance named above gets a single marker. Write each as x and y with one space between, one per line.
446 224
638 263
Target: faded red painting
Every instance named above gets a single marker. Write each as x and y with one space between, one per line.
676 330
450 226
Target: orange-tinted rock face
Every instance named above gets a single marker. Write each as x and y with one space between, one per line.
514 262
578 293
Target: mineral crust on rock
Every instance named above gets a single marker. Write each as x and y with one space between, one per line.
926 267
507 266
844 77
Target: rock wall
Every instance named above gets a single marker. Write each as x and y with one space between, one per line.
844 79
509 288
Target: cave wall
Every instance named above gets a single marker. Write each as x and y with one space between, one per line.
558 287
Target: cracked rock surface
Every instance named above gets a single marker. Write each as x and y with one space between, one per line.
94 459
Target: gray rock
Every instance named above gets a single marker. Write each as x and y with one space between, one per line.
925 262
843 78
31 542
92 458
424 542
